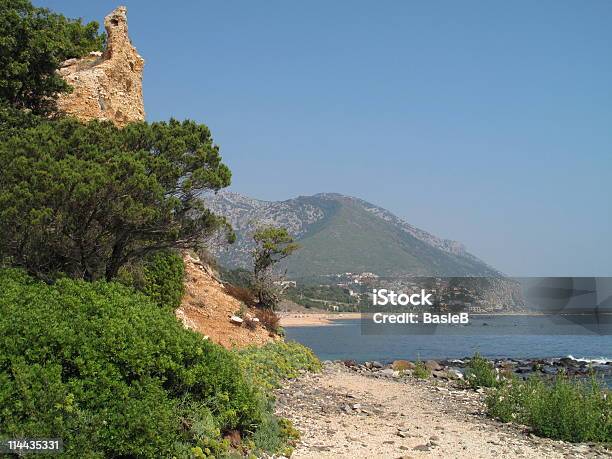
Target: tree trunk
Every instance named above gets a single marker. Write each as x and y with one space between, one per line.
116 259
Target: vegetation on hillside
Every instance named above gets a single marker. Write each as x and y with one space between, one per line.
84 199
348 235
107 370
323 297
91 218
33 43
160 276
111 373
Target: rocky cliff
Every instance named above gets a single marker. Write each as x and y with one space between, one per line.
108 85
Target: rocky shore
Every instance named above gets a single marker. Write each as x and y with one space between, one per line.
523 368
372 410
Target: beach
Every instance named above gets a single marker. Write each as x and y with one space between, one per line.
291 319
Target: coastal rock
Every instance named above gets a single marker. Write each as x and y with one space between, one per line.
432 365
387 372
106 86
454 373
401 365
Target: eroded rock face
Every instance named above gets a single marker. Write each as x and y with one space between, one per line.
106 86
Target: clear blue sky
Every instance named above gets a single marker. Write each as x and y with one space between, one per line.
485 122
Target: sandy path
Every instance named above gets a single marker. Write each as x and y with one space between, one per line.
344 414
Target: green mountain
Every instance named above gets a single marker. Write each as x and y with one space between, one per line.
341 234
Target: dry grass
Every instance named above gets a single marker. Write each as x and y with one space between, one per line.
268 318
241 294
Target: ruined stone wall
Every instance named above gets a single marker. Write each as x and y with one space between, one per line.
106 86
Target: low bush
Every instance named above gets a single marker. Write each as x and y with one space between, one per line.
114 375
565 409
243 294
420 371
160 276
164 275
269 319
275 435
481 373
266 366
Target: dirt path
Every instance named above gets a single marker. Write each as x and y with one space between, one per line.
344 414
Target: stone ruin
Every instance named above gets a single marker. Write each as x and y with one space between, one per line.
108 85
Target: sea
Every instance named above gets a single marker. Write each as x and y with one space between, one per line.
495 337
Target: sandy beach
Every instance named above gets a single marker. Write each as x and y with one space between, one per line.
314 319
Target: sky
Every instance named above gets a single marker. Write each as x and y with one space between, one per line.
485 122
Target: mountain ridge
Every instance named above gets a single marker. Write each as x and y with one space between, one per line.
340 233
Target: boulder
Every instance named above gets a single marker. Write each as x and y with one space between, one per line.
432 365
236 320
388 373
402 365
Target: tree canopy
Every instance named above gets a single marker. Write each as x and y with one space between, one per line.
272 245
33 43
86 198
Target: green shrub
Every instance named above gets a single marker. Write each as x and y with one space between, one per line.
420 370
481 373
113 374
163 278
566 409
160 276
275 435
268 365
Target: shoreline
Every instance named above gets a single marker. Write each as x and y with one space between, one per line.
297 319
314 319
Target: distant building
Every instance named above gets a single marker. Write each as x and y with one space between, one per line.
286 283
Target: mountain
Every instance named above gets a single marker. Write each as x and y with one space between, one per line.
341 234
